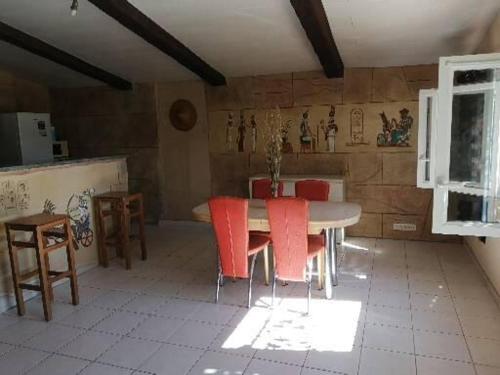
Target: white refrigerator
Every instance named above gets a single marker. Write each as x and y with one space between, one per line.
25 138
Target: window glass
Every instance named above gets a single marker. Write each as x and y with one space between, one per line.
468 133
468 77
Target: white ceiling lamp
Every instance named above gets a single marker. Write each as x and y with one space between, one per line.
74 7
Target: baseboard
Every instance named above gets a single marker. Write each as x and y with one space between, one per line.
8 301
489 284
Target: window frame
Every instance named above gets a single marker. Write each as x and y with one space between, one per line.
426 131
443 186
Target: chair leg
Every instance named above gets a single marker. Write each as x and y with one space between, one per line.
309 282
274 288
266 264
320 259
252 266
219 278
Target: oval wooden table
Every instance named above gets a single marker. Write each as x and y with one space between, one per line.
324 217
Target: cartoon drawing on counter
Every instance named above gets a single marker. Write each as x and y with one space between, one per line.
330 130
49 207
78 210
22 196
7 196
14 197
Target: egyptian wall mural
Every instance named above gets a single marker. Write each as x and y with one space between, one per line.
362 127
333 128
356 128
395 132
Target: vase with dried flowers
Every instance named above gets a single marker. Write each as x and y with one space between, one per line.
274 146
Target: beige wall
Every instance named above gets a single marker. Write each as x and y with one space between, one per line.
381 179
184 170
491 40
19 95
102 121
57 185
488 254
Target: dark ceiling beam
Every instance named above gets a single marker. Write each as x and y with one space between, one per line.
40 48
313 18
140 24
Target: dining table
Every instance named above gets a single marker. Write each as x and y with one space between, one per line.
324 218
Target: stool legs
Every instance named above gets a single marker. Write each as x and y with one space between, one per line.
125 232
21 309
116 221
70 254
122 210
47 265
142 232
101 237
43 275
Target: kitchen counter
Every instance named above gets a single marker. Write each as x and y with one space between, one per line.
63 187
21 169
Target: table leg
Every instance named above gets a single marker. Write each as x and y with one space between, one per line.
331 262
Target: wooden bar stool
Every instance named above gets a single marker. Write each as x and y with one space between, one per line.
43 228
122 207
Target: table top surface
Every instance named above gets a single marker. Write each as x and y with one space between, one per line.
322 215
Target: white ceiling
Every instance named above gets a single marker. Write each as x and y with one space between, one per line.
242 37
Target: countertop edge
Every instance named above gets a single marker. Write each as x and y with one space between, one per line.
25 169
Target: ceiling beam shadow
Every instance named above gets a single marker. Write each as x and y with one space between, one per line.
313 18
39 47
140 24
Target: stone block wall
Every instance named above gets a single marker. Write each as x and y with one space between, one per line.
19 95
184 169
101 121
381 179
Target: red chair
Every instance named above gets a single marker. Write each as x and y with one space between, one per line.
294 250
230 222
312 190
261 189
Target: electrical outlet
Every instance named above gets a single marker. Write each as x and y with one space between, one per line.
404 227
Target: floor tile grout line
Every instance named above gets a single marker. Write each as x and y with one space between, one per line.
411 311
457 315
120 308
366 313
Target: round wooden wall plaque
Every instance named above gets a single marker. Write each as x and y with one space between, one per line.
183 115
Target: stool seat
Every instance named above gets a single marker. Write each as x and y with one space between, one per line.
41 227
122 207
38 220
119 195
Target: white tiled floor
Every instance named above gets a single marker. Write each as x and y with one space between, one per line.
401 307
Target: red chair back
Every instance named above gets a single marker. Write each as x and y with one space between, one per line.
288 219
261 189
230 222
312 190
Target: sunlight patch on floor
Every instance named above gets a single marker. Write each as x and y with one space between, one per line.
330 326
